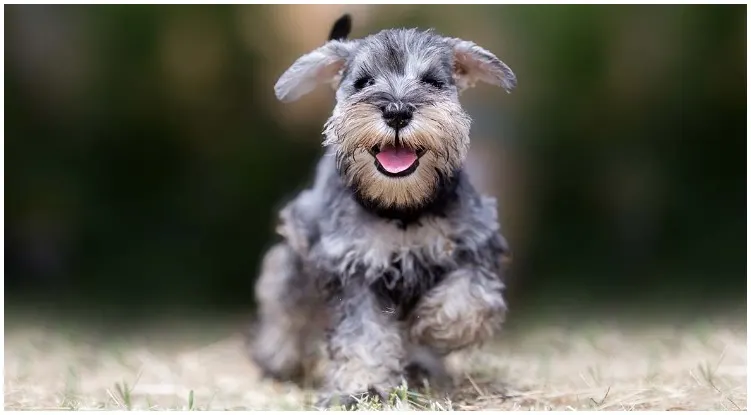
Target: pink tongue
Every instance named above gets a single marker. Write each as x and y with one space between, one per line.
396 159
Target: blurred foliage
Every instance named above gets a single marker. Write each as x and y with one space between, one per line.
146 155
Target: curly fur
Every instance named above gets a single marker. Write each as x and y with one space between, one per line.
393 271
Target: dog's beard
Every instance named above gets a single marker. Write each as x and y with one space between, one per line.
438 135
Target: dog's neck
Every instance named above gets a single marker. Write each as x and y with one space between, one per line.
444 197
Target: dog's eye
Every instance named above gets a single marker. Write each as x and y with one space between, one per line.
429 80
363 82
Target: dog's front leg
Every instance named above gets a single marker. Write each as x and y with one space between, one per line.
465 309
366 348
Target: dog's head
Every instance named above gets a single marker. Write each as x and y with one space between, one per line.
398 129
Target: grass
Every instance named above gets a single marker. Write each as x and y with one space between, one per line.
589 367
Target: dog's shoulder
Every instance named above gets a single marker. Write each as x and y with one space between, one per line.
476 228
301 219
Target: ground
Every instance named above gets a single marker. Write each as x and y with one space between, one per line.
587 366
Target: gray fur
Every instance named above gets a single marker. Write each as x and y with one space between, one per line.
394 271
388 53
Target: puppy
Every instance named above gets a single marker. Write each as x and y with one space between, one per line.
391 257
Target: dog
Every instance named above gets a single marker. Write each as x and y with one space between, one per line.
390 258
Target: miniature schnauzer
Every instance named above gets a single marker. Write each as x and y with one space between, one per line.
391 256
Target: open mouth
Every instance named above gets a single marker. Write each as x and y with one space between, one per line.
396 161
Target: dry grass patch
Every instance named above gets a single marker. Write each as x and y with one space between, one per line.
588 368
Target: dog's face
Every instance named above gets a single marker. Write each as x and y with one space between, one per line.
398 129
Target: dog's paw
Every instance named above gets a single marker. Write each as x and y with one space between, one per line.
294 373
416 375
350 401
419 375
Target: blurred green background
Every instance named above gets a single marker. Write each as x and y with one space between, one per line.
146 154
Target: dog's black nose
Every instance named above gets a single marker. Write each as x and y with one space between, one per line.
397 115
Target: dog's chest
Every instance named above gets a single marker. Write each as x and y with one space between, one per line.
398 264
383 247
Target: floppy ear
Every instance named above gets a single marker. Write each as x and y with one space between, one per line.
320 66
473 63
